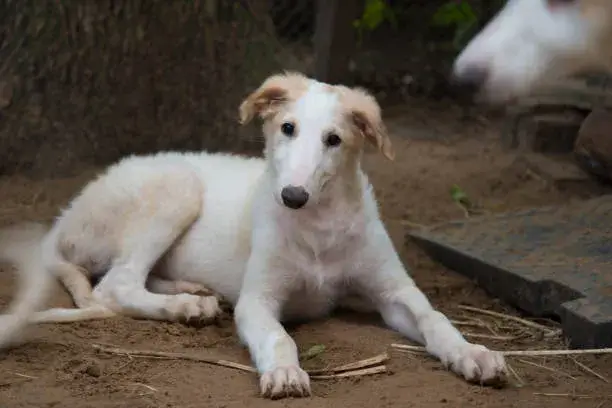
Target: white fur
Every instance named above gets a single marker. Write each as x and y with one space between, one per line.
158 226
20 246
531 42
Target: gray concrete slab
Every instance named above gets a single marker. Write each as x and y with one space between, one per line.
548 261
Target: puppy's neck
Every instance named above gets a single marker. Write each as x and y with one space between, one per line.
338 208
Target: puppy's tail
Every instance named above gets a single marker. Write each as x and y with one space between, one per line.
21 246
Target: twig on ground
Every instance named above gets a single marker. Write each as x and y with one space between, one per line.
151 390
353 373
490 337
368 366
177 356
531 363
478 323
576 396
122 366
468 323
540 353
589 370
485 325
25 379
533 353
517 377
25 376
358 365
549 332
148 387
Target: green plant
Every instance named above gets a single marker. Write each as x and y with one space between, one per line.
466 16
460 14
313 352
375 13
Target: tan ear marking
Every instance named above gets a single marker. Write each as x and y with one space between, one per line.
261 103
365 114
273 92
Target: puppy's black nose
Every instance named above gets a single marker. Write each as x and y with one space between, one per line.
294 197
469 81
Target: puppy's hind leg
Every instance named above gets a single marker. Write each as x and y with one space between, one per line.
75 279
167 207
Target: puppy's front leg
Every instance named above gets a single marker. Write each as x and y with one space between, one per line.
406 309
274 352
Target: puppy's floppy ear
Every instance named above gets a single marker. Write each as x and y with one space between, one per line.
366 116
267 99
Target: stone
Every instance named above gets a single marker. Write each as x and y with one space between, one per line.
548 262
593 146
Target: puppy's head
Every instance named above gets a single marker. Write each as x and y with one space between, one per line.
532 41
314 133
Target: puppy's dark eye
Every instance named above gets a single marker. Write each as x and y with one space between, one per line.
288 128
333 140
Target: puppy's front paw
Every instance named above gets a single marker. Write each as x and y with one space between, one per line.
476 363
283 382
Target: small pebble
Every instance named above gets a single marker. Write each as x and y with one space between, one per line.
93 370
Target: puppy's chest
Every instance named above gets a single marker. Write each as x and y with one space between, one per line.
321 258
329 241
323 254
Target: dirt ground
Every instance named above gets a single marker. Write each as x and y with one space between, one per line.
436 148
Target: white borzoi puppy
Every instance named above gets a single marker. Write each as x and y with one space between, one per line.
290 236
532 41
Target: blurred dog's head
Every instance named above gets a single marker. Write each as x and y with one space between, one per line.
531 41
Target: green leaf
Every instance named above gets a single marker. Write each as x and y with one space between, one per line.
467 11
453 13
313 351
375 13
458 195
446 14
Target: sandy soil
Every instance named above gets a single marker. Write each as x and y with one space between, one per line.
59 368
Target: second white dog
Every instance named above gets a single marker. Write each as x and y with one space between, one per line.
531 42
293 235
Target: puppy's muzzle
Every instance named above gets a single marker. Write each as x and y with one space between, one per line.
294 197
